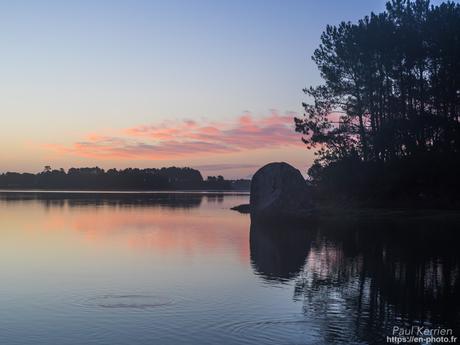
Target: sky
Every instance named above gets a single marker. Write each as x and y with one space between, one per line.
207 84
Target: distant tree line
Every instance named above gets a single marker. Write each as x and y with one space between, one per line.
127 179
386 122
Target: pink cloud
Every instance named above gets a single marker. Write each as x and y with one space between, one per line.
188 138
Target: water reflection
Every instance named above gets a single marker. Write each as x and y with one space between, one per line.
164 223
360 279
138 268
278 253
215 197
124 199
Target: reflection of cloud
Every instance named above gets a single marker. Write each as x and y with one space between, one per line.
188 138
159 230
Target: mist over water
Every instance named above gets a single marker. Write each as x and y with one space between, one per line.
171 268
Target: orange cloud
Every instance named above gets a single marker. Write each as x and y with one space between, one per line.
188 138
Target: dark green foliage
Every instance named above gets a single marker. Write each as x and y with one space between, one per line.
390 104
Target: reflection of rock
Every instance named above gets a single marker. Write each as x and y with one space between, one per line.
278 255
279 190
243 208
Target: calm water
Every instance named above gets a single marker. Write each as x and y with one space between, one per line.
184 269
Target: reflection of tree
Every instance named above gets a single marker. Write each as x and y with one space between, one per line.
359 280
215 198
167 200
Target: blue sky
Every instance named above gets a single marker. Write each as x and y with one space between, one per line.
72 69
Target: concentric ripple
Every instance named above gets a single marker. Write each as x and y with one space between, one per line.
131 301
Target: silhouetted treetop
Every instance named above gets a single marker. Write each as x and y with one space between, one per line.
391 88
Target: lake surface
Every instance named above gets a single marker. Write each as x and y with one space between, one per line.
181 268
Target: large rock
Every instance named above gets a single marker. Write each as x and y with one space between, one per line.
279 192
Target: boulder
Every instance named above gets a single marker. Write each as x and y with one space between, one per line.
279 192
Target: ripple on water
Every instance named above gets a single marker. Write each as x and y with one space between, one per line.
272 331
129 301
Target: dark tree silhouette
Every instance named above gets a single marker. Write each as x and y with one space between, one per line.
390 103
97 178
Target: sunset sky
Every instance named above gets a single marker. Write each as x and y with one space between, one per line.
207 84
